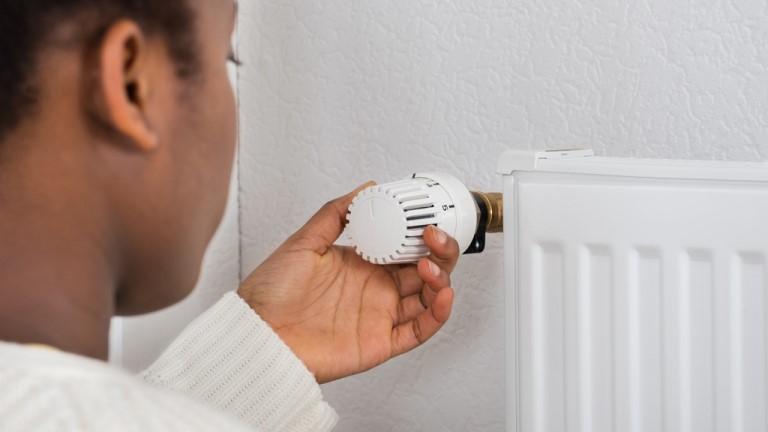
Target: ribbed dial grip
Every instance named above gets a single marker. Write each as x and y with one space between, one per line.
387 222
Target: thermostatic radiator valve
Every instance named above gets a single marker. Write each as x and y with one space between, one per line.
387 222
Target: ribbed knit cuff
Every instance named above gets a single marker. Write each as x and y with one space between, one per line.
230 358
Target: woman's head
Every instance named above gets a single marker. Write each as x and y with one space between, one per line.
129 102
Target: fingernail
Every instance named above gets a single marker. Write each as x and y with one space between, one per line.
434 268
440 235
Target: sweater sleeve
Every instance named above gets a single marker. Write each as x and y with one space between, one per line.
231 359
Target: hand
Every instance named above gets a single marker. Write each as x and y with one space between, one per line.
341 315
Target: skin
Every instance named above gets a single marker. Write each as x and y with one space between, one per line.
111 191
342 315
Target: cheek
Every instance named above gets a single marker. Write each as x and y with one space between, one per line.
232 75
222 125
227 125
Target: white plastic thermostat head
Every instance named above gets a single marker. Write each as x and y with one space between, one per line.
387 222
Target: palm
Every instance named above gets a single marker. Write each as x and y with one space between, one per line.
345 306
340 314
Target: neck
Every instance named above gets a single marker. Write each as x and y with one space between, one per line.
57 278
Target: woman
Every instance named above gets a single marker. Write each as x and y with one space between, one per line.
117 138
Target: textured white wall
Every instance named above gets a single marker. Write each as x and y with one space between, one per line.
335 93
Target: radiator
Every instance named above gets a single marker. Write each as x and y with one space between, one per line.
637 294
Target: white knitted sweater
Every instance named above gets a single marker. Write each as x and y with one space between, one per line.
228 371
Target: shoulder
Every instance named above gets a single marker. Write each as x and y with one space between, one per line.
47 390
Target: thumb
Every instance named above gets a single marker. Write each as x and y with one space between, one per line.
325 227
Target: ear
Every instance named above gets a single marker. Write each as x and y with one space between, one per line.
124 70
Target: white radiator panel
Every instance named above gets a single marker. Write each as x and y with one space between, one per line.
637 303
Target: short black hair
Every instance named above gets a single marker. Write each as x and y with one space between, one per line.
26 26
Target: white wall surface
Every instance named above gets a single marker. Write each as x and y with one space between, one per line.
335 93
